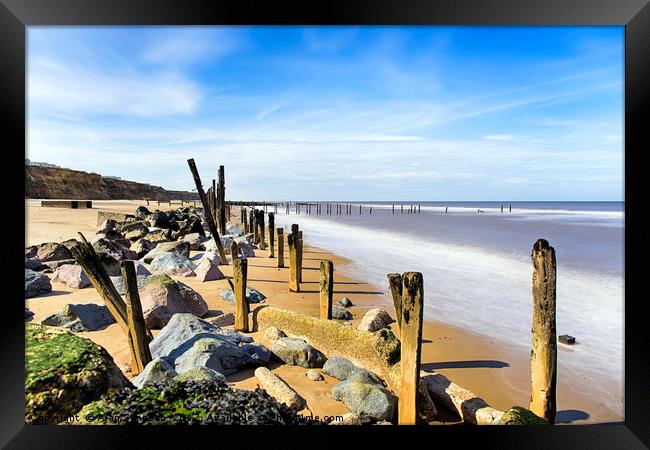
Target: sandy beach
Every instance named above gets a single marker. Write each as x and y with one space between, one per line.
497 372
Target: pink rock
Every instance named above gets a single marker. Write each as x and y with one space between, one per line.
208 270
163 297
72 276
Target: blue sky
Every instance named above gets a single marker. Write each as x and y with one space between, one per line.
334 113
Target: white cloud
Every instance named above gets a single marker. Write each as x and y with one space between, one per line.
192 45
499 137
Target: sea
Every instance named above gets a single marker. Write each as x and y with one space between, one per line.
475 258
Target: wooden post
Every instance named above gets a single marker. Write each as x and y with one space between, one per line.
271 235
251 224
501 208
402 208
371 210
395 284
543 357
446 208
510 208
419 209
240 269
244 219
294 284
138 341
326 289
393 208
222 200
410 344
206 210
256 232
260 224
300 256
280 232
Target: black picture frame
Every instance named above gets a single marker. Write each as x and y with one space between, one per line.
16 15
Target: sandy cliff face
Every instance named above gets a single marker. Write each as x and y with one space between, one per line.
53 182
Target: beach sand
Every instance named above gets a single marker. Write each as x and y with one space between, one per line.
497 372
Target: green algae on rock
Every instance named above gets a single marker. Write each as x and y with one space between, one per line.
521 416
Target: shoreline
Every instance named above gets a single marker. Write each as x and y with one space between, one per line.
496 371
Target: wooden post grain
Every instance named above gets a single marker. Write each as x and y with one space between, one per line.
138 341
271 235
206 210
294 284
543 357
326 289
240 272
300 251
410 345
395 284
280 232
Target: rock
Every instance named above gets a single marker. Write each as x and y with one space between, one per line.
111 265
51 251
64 372
172 264
180 247
314 375
72 276
195 240
28 315
338 367
234 229
252 295
521 416
84 317
136 234
31 251
114 250
212 256
126 227
142 247
272 334
160 220
187 342
375 319
427 410
363 376
245 247
70 243
226 242
339 313
278 389
159 236
118 282
53 265
34 265
207 270
346 302
107 225
157 371
163 297
111 235
36 284
141 212
201 374
297 352
365 400
223 320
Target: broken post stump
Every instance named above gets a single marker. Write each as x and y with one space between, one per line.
294 283
206 210
543 357
138 341
395 284
410 343
326 289
271 235
240 271
280 232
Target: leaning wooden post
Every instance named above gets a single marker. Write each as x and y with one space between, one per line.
280 232
294 284
271 235
240 269
395 285
543 357
300 245
410 346
326 289
138 341
206 210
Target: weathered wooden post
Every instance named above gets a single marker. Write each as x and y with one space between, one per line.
410 346
395 285
300 249
359 209
543 357
280 232
234 250
206 210
371 210
271 235
260 222
294 284
446 208
510 208
326 289
501 208
252 228
393 208
256 232
244 219
240 269
402 205
419 209
138 341
213 202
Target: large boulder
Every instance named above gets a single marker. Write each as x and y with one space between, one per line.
36 284
111 265
142 247
114 250
234 229
180 247
69 243
187 342
158 235
375 319
84 317
111 235
118 282
297 352
195 240
163 297
200 374
172 264
245 247
53 265
31 251
339 313
72 276
338 367
159 219
208 270
157 371
366 400
35 265
64 372
521 416
132 225
141 212
52 251
252 295
136 234
106 226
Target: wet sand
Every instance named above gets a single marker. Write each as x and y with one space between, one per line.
495 371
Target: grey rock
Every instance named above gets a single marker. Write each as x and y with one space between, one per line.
172 264
158 370
31 251
245 247
118 282
297 352
107 225
163 297
364 376
234 229
200 374
28 315
208 270
314 375
34 265
365 400
160 220
375 319
338 367
69 243
36 284
180 247
252 295
52 251
84 317
114 249
142 247
53 265
339 313
346 302
195 240
141 212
